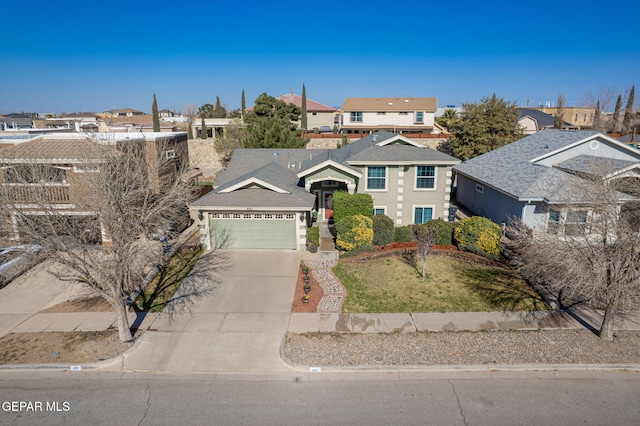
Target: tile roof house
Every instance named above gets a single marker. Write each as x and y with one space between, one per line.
66 158
398 115
530 179
533 120
264 198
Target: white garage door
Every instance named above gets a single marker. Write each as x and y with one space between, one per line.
254 230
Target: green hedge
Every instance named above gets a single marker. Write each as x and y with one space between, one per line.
403 234
478 235
345 205
382 230
354 231
445 231
313 236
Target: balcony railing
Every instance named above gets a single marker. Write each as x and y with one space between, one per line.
35 194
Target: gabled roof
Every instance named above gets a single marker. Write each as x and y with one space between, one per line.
312 106
390 104
512 170
271 176
543 119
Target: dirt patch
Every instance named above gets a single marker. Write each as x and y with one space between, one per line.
77 347
83 304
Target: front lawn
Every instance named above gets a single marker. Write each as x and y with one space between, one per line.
391 284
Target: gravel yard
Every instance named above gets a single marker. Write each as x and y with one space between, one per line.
461 348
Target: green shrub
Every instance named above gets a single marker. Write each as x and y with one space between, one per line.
445 231
382 230
402 234
345 205
354 231
478 235
313 236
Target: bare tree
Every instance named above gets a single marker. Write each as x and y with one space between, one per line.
117 190
235 135
590 251
603 94
425 238
190 111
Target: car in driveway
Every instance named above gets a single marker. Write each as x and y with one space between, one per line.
325 129
16 260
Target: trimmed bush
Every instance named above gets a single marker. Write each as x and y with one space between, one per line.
445 231
382 230
354 231
313 236
402 234
345 205
478 235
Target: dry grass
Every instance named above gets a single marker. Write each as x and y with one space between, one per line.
394 284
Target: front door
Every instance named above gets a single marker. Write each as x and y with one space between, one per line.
328 205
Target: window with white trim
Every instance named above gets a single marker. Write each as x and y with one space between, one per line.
425 177
422 215
355 117
377 178
378 210
171 154
290 216
419 117
268 216
279 216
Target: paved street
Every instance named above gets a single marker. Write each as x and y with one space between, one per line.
567 398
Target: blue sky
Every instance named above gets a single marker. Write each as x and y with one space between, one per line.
70 55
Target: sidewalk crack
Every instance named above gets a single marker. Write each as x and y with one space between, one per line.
148 404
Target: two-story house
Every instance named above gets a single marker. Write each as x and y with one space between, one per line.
48 173
264 198
398 115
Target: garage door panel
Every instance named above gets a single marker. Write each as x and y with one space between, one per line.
256 232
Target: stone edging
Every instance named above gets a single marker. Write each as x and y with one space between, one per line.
334 293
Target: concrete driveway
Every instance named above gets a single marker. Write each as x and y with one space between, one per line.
238 327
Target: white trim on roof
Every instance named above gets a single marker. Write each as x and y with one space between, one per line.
581 141
256 181
329 163
397 138
404 163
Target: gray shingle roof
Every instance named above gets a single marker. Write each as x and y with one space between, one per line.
589 165
509 169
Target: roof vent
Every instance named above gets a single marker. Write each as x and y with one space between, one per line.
406 100
546 146
390 103
275 154
374 138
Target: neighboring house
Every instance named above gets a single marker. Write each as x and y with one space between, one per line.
575 116
318 114
166 113
65 158
15 121
264 198
531 179
532 121
215 126
398 115
135 123
126 112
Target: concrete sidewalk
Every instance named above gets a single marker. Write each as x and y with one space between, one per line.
455 321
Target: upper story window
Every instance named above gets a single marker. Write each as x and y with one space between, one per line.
426 177
35 174
381 113
377 178
403 113
419 117
356 117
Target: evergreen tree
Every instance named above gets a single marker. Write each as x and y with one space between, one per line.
558 121
628 111
156 116
303 116
203 129
271 124
484 127
615 125
596 117
243 105
219 111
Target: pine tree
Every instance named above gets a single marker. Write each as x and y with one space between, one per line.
484 127
558 121
303 115
626 122
615 125
156 116
203 129
243 105
219 111
596 117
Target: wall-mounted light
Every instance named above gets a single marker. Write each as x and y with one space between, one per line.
200 215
